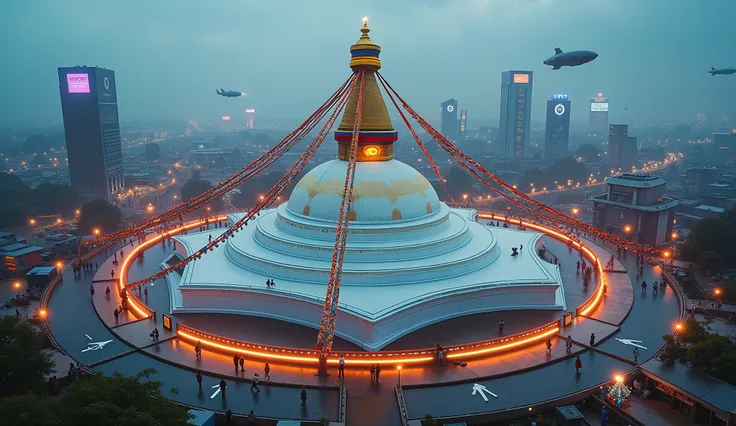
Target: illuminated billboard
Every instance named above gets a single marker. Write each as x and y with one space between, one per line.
250 110
77 83
463 120
521 78
225 118
599 107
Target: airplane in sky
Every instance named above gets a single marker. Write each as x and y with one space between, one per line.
722 71
229 93
572 58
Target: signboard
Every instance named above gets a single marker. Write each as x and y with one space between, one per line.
250 110
166 321
463 120
77 83
225 118
521 78
599 107
104 84
559 97
567 318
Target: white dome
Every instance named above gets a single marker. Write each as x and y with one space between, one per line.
384 191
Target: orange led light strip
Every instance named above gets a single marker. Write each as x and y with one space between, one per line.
144 311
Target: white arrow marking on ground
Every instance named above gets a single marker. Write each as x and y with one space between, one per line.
88 336
482 389
96 346
216 392
631 342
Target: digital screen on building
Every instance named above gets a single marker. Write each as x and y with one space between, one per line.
463 119
250 110
77 83
225 118
521 78
599 107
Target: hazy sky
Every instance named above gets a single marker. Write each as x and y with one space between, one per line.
169 56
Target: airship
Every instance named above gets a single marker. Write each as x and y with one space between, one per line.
229 93
572 58
722 71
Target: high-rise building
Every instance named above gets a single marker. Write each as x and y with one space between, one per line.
250 118
448 116
516 108
557 128
598 115
622 148
90 109
463 122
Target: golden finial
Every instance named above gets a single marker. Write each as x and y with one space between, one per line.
364 38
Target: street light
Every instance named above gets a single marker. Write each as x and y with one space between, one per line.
627 228
717 292
575 210
399 368
17 287
674 235
96 231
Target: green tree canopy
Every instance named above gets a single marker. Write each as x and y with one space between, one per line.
252 189
712 234
23 365
99 214
459 182
152 151
557 173
42 143
49 198
100 400
196 186
17 205
589 153
716 355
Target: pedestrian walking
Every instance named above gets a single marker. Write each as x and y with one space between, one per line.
549 345
644 287
636 354
604 417
107 292
267 372
592 339
223 387
500 327
92 290
373 372
145 292
199 379
241 361
441 357
568 344
236 358
578 364
251 418
303 396
341 367
254 383
154 334
116 314
198 349
378 372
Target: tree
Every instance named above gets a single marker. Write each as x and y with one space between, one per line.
716 355
711 261
16 204
196 186
459 182
671 352
99 214
42 143
23 365
692 332
100 400
251 190
589 153
49 198
558 173
152 151
715 233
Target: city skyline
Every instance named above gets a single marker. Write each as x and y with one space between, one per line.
219 52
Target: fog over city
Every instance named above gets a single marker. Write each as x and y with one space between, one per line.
170 56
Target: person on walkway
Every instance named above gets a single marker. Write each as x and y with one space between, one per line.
116 314
236 358
577 270
112 274
441 357
378 372
154 334
254 383
303 396
251 418
604 416
268 283
107 292
578 364
241 361
521 248
644 287
199 379
592 339
549 346
198 349
223 387
568 344
373 372
267 372
636 354
500 327
145 293
92 289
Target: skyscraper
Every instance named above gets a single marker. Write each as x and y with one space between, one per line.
557 128
448 116
598 116
250 118
622 148
90 110
516 108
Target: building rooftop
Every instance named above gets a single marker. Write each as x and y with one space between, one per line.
708 208
636 180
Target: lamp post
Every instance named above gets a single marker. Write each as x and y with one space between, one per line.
17 288
399 369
